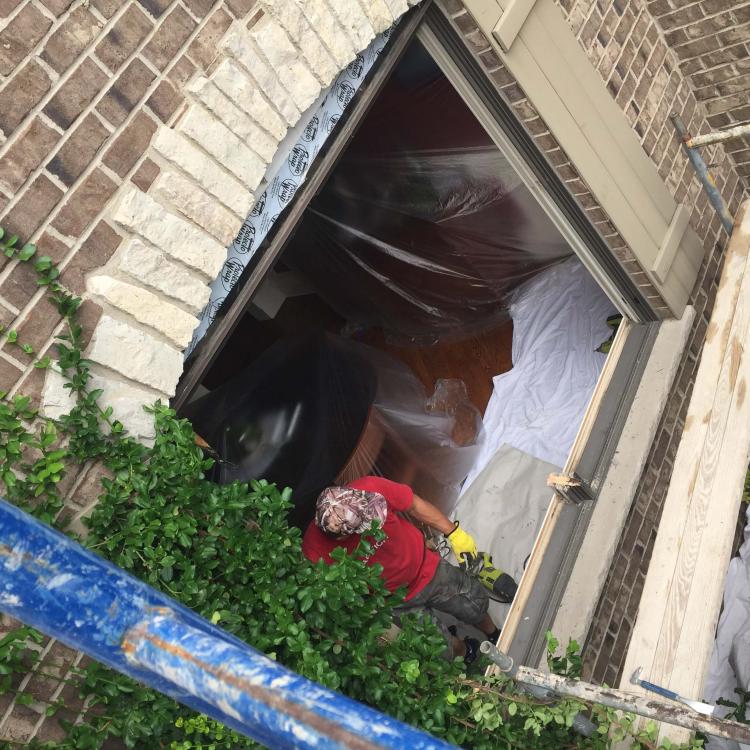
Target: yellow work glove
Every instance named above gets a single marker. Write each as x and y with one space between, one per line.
461 543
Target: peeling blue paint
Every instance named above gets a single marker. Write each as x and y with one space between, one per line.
49 581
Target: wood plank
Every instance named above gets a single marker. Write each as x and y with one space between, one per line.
691 445
528 579
680 603
526 584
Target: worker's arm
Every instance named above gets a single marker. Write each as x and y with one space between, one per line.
461 543
427 513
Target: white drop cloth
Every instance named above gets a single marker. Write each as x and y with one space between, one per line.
559 319
504 509
730 661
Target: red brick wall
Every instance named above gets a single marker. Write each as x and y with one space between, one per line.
83 87
711 41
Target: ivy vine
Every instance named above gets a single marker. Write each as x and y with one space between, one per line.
228 553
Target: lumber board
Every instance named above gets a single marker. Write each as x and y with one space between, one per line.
526 584
679 608
528 579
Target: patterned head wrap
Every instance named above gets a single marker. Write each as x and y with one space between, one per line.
341 511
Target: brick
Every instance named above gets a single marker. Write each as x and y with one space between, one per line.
32 386
67 43
200 8
8 6
155 7
9 374
241 8
76 93
20 286
26 154
88 316
20 37
172 34
84 204
39 324
22 92
123 38
130 145
126 92
58 7
145 175
19 726
106 7
205 47
93 253
79 150
164 101
33 208
181 72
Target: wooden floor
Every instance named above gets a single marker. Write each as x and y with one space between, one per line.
674 632
474 360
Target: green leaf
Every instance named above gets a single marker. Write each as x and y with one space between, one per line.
27 251
12 337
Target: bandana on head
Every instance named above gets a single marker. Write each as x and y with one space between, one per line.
343 510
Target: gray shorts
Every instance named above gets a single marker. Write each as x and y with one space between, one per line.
450 591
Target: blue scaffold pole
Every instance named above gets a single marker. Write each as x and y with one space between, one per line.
54 584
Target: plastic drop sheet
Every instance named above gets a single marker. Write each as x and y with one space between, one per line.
424 226
729 667
285 183
317 410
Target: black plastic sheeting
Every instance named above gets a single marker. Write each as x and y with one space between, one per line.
299 412
424 226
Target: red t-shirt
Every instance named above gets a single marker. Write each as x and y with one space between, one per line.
405 559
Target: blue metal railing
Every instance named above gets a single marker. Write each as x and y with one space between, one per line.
54 584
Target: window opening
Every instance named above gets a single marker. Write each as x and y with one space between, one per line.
423 261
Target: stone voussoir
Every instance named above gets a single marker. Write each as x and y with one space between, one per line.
285 58
136 354
198 206
240 88
332 34
296 25
127 401
151 267
235 118
217 139
140 214
381 15
178 150
147 308
356 24
237 45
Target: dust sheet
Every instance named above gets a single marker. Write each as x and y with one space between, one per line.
559 319
729 667
504 509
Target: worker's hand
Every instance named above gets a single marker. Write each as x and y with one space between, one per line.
462 544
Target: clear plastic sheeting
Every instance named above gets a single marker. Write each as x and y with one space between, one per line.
559 320
424 226
321 410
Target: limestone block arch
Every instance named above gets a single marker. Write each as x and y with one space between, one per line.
213 161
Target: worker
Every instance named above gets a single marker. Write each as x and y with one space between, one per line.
343 514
